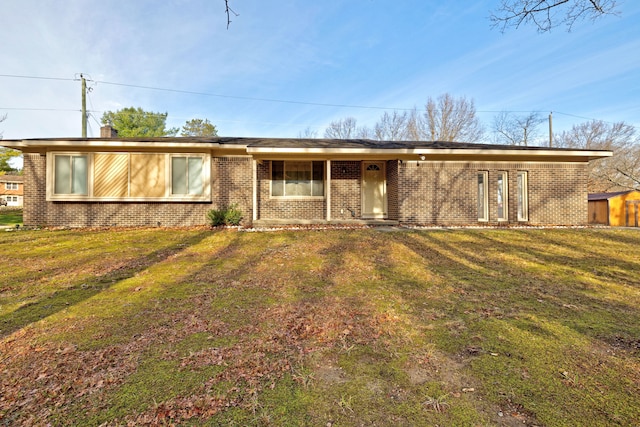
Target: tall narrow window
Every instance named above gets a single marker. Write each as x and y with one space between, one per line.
71 174
502 197
523 197
483 196
186 175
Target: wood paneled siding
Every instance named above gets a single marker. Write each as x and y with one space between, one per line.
126 177
230 182
111 175
149 175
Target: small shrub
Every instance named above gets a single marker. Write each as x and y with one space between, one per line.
227 215
233 215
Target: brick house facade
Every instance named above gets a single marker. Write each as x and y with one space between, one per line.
109 181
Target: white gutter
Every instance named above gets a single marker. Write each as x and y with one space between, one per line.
428 151
115 144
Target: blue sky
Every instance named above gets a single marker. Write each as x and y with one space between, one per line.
324 57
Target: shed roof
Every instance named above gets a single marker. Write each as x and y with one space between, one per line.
11 178
607 196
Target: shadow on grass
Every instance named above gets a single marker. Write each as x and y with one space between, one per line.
572 290
79 292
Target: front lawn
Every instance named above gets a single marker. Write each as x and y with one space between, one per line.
339 327
10 217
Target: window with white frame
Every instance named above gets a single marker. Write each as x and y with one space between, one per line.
522 196
123 177
483 196
10 185
502 196
297 178
186 175
71 174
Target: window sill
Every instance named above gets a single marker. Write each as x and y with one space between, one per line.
297 197
130 199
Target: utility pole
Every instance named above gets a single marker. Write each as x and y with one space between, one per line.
551 129
84 106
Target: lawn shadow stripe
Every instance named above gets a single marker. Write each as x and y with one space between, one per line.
85 289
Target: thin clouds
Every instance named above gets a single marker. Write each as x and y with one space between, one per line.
331 52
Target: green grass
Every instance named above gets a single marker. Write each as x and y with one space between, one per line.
10 217
193 327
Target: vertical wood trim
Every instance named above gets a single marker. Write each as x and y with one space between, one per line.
328 172
254 172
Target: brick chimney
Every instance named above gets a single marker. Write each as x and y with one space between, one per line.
108 132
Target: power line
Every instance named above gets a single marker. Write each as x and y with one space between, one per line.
36 77
40 109
249 98
246 98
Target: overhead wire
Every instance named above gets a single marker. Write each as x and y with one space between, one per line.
247 98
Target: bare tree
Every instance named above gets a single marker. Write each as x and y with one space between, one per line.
392 127
511 129
622 170
345 129
2 119
416 126
548 14
308 133
451 119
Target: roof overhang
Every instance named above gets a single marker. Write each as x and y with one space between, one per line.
427 153
259 150
35 145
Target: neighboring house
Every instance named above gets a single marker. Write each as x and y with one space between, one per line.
174 181
620 209
12 190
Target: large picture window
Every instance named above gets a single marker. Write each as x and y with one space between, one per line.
483 196
502 197
297 179
71 174
523 196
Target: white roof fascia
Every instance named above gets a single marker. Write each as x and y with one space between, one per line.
114 144
427 151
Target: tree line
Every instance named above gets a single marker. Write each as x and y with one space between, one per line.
445 118
455 120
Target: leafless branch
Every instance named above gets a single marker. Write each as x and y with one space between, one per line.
229 11
547 14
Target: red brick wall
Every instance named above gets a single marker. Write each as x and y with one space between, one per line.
231 182
418 193
35 205
346 190
392 189
284 208
445 193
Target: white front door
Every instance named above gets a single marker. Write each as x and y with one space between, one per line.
374 190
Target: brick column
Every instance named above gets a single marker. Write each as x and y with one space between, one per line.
35 190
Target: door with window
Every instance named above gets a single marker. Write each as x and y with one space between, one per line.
374 190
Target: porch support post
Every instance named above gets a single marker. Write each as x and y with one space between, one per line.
254 173
328 190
